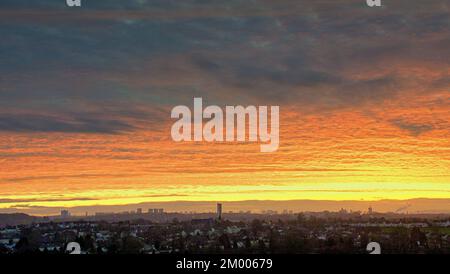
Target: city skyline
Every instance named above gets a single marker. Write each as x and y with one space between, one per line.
412 206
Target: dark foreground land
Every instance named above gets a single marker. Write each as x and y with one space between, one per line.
255 234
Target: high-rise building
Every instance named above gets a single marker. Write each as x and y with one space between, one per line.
219 211
65 213
139 211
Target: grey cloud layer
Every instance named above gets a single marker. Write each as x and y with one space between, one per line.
111 58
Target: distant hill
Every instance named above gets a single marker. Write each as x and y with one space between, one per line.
16 219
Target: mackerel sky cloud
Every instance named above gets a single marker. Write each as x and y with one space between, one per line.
364 95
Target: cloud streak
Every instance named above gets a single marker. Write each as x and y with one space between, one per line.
34 123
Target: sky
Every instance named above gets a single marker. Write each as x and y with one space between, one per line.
86 95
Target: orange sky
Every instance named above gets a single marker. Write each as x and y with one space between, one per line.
85 101
344 155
